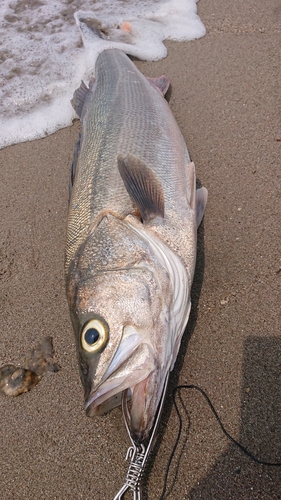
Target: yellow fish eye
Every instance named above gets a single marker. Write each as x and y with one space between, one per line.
94 335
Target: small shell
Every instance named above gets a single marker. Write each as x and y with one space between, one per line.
15 380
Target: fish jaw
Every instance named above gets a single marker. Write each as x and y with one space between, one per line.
139 375
131 369
144 404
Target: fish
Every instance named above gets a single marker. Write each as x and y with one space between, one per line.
131 242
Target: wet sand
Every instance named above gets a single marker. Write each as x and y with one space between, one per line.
226 99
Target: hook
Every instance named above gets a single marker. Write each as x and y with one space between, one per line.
138 454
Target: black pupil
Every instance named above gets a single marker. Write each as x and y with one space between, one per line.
91 336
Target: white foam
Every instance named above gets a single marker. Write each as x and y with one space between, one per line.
44 59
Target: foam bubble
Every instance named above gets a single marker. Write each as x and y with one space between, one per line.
45 52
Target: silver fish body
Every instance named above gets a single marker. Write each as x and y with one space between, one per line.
131 239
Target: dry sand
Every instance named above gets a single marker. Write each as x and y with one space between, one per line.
226 99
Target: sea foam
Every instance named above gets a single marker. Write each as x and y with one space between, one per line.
48 47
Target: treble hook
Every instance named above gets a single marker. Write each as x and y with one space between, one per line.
138 454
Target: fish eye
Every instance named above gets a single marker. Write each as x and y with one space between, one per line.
94 335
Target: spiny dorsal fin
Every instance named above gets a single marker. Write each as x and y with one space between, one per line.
143 186
80 95
73 165
162 83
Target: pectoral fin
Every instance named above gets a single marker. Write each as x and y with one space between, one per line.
143 187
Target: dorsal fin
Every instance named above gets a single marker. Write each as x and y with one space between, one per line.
143 187
80 95
73 165
162 83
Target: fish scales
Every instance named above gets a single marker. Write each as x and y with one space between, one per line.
131 240
122 114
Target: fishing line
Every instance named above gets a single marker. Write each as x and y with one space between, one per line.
226 433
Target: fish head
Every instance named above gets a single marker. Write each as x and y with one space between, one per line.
121 300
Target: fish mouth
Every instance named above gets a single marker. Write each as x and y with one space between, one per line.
132 364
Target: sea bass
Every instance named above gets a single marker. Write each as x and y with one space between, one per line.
131 239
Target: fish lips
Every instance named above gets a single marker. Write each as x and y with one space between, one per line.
133 363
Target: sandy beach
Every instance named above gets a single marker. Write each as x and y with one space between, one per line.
225 96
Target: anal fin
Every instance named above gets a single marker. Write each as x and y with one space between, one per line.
162 83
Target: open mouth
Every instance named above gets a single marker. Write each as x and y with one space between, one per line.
133 362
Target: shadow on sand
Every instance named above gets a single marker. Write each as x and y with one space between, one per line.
234 475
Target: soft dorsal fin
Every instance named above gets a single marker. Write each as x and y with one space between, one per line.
162 83
80 95
143 186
